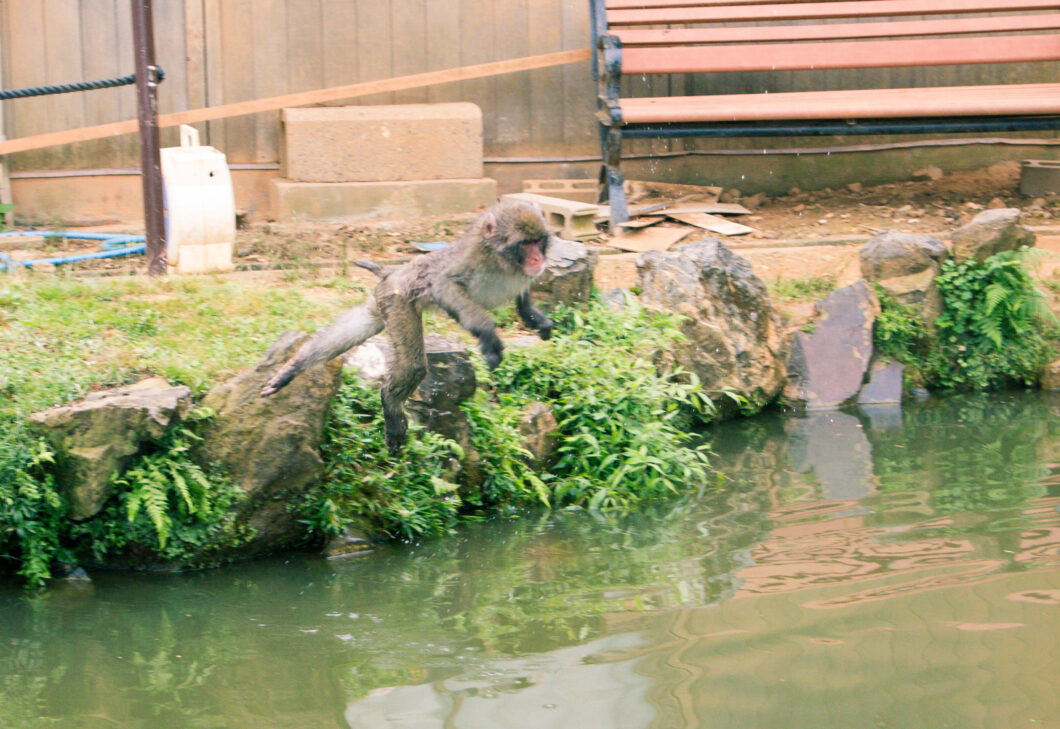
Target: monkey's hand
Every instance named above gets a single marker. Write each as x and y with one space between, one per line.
532 316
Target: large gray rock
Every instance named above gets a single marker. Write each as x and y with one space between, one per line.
826 367
450 381
733 334
905 266
894 255
271 445
990 232
568 275
94 438
885 384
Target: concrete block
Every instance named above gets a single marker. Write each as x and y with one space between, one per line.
1040 177
349 201
382 143
574 220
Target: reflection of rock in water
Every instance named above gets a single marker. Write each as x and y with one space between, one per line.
833 446
571 687
882 417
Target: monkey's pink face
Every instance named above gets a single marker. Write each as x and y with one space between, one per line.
533 255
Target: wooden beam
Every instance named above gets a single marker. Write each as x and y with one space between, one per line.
302 98
836 31
1014 99
699 13
842 54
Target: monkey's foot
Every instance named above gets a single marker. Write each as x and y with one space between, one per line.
278 382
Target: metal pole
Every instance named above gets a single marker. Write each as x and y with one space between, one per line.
150 160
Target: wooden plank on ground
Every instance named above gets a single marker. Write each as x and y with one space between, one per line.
701 192
648 239
645 222
709 208
711 222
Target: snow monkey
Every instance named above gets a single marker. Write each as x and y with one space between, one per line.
494 262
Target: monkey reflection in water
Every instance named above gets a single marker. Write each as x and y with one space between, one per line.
493 263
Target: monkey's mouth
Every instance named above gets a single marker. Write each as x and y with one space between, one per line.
533 259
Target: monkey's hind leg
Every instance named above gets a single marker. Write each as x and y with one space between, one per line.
404 327
349 329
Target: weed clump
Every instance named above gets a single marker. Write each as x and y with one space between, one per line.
995 330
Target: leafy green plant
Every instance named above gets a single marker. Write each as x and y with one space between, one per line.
898 331
31 509
167 505
621 423
404 496
991 332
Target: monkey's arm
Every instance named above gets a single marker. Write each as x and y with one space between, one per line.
532 316
454 301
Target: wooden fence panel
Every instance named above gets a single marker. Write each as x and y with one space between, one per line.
224 51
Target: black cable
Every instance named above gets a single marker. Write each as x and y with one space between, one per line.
105 83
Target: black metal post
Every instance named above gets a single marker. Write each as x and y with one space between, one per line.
147 79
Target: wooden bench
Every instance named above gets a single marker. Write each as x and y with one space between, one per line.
647 37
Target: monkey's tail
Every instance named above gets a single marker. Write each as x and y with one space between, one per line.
380 271
350 328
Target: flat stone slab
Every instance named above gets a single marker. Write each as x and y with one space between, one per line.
884 385
828 365
338 202
382 143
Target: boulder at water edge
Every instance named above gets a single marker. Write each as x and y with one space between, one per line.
271 445
733 335
905 266
95 438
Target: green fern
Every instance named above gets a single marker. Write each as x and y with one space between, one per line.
992 331
165 483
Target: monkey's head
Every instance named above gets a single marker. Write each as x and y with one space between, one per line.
517 232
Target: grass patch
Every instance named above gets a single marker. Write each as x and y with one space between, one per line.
811 288
60 338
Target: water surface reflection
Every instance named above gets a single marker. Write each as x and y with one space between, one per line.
864 569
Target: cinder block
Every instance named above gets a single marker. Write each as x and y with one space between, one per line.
574 220
1040 177
350 201
382 143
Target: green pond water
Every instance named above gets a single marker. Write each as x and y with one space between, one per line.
873 568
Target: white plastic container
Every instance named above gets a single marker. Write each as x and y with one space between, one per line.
200 206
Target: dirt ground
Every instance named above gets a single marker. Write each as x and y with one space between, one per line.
797 236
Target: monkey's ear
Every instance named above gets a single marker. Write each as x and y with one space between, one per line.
489 225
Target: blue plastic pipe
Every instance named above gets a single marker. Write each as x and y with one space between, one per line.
111 245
